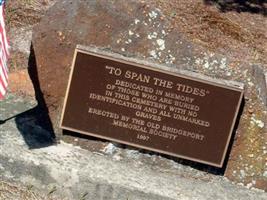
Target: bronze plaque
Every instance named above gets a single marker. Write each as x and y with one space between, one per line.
149 108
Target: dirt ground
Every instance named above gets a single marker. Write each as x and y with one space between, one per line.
236 29
21 13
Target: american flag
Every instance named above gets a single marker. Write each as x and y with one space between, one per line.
4 53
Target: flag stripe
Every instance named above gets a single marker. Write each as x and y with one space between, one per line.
3 46
3 81
3 72
2 87
2 90
3 59
3 84
3 32
4 53
3 77
1 95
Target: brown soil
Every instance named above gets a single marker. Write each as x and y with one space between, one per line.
238 33
20 83
21 13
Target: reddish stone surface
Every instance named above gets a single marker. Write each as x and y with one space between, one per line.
107 25
20 83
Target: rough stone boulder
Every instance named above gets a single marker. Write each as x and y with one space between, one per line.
135 29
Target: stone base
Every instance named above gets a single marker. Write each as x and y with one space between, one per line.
68 172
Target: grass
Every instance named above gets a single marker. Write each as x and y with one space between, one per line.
10 191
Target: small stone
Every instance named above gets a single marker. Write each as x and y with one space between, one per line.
223 63
228 74
250 155
242 173
59 33
152 36
130 32
109 149
128 41
206 65
136 21
161 44
240 184
117 157
153 14
250 83
153 54
250 110
259 123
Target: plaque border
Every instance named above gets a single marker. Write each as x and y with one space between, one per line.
124 61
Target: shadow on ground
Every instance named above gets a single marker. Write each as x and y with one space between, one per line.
251 6
35 125
34 129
